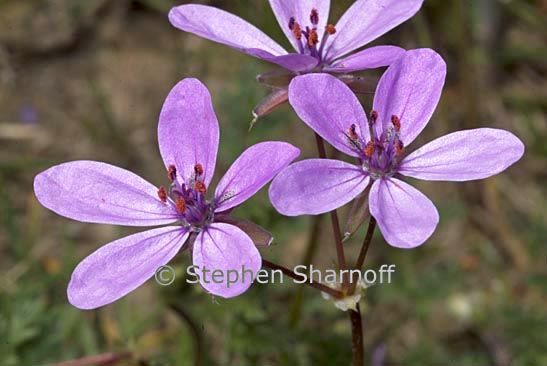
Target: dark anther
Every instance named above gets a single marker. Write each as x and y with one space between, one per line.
162 194
171 173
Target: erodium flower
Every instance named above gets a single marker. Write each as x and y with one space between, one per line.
319 45
188 135
405 99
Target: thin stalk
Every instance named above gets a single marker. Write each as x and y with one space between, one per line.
357 349
364 249
333 215
100 360
194 328
308 281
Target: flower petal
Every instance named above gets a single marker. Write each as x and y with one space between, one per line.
329 107
285 10
410 89
90 191
369 58
367 20
464 155
223 248
316 186
293 61
254 168
121 266
188 130
222 27
405 216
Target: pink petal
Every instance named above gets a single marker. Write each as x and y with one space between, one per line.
301 11
188 130
96 192
223 247
367 20
405 216
222 27
464 155
316 186
121 266
254 168
329 107
293 61
369 58
410 89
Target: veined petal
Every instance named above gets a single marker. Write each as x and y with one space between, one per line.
316 186
369 58
410 89
188 130
229 251
329 107
254 168
222 27
90 191
293 61
300 10
121 266
464 155
405 216
367 20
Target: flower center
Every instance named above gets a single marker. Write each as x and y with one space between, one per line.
380 156
188 198
307 37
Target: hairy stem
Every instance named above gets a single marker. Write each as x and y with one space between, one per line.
364 249
308 281
357 349
194 329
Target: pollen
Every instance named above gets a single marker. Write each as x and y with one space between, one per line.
399 148
313 38
352 132
171 173
369 149
162 194
292 21
297 31
200 187
314 17
373 117
331 29
396 122
180 205
198 169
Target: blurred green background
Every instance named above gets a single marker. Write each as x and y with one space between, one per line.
87 79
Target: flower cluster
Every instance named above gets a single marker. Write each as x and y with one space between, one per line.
198 218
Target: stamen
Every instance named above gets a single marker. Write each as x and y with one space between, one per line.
171 173
297 31
313 38
369 149
180 205
162 194
200 187
198 169
373 117
352 132
292 21
399 147
314 17
396 122
331 29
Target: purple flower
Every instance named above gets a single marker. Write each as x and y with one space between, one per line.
405 99
188 135
318 45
